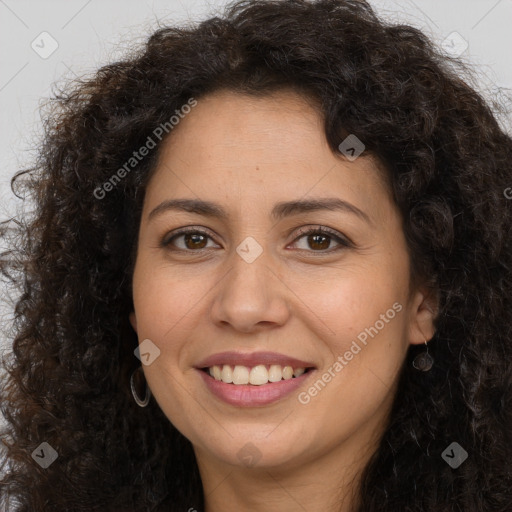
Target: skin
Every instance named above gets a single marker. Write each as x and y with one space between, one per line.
298 298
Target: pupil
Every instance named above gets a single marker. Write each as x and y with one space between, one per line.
195 239
316 237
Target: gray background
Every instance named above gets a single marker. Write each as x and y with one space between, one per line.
90 33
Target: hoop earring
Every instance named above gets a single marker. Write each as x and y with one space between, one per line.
423 361
140 403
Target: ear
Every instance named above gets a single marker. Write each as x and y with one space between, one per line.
133 320
423 312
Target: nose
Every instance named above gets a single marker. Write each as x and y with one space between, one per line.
251 296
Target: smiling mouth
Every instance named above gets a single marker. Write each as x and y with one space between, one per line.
256 375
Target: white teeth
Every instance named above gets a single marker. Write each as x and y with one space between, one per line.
241 375
257 375
275 373
287 372
227 374
298 372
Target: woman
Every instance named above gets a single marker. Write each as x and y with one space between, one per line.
269 269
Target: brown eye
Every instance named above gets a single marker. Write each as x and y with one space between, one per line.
319 239
196 240
193 240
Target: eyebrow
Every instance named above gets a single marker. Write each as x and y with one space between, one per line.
279 211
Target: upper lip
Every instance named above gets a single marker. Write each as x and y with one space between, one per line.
252 359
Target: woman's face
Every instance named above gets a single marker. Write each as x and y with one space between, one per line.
250 289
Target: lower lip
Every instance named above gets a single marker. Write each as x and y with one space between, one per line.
247 395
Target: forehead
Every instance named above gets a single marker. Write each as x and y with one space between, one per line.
258 151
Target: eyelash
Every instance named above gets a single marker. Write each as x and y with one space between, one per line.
320 230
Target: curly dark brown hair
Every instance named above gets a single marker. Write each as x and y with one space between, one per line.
448 160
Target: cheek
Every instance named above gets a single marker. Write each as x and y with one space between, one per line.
364 314
163 298
351 299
